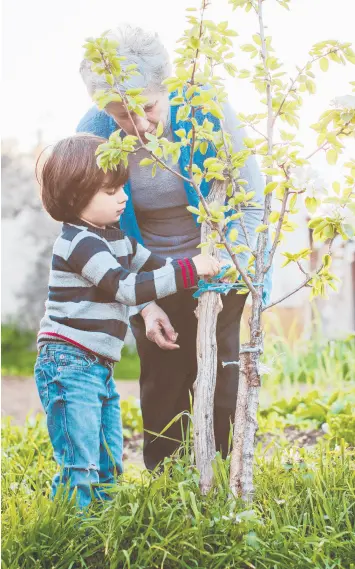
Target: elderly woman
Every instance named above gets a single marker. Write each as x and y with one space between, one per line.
156 215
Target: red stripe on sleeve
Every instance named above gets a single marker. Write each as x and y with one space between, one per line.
184 273
191 273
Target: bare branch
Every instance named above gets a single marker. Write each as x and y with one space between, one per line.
235 189
192 82
304 283
257 130
323 146
293 81
278 231
302 269
262 239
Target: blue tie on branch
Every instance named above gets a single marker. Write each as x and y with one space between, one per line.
221 288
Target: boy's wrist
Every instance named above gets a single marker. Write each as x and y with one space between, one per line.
186 269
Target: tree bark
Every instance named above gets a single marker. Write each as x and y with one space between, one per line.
209 306
245 425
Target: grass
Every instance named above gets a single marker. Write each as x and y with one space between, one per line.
292 363
18 354
302 517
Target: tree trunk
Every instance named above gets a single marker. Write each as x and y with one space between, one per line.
209 306
245 425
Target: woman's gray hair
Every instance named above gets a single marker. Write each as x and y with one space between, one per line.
138 46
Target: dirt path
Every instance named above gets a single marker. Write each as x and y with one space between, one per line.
19 396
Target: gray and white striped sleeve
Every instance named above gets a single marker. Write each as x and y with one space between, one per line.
91 257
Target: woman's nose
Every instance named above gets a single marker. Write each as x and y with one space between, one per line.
141 123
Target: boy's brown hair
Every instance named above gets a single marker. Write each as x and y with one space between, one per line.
70 176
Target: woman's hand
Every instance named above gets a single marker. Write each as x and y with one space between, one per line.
158 327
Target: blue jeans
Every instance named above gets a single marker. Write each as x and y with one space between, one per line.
79 396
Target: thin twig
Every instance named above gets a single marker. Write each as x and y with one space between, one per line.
293 81
302 269
192 82
322 146
303 284
257 130
262 239
235 189
278 231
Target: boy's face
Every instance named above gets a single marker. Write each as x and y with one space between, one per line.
106 207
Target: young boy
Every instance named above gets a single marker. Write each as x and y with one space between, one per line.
97 273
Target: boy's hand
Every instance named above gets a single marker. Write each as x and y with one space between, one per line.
206 265
158 327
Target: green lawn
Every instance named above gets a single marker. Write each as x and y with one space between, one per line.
303 515
18 355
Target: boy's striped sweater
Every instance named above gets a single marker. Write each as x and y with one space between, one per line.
96 275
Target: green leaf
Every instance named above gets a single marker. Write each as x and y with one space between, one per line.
183 112
177 101
203 147
236 216
231 69
274 216
233 235
324 64
311 204
249 142
134 92
286 262
146 162
270 187
180 132
240 249
139 111
272 171
332 156
311 86
110 79
327 261
248 47
261 228
230 33
336 187
160 129
257 39
193 209
216 110
315 222
131 66
293 202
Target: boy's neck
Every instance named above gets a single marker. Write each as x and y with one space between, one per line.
109 231
93 224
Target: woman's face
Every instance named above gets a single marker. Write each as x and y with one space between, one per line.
156 109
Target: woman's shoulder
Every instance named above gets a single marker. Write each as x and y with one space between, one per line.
97 122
